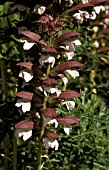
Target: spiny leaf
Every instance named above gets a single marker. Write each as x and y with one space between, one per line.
68 94
25 95
67 120
25 64
49 112
24 124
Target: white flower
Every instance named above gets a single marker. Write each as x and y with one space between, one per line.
70 104
67 130
65 80
70 55
77 15
25 104
26 74
95 28
52 90
73 73
98 9
96 44
85 1
22 132
93 15
39 9
77 42
47 59
27 45
51 143
84 14
50 121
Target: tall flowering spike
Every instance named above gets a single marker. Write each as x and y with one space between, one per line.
50 81
24 124
25 64
50 112
51 135
66 36
25 95
64 66
34 37
67 120
69 94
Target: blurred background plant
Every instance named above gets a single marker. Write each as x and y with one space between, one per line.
86 147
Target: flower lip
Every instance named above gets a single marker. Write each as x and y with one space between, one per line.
52 135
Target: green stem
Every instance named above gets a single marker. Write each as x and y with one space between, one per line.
39 165
14 151
4 80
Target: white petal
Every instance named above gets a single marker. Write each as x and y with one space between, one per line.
27 45
93 15
47 59
95 28
67 130
22 132
52 90
65 80
96 44
27 135
77 42
70 55
50 143
73 73
25 104
41 10
54 144
53 121
99 8
18 104
27 75
70 105
77 15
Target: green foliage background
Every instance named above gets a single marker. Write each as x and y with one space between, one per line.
87 147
